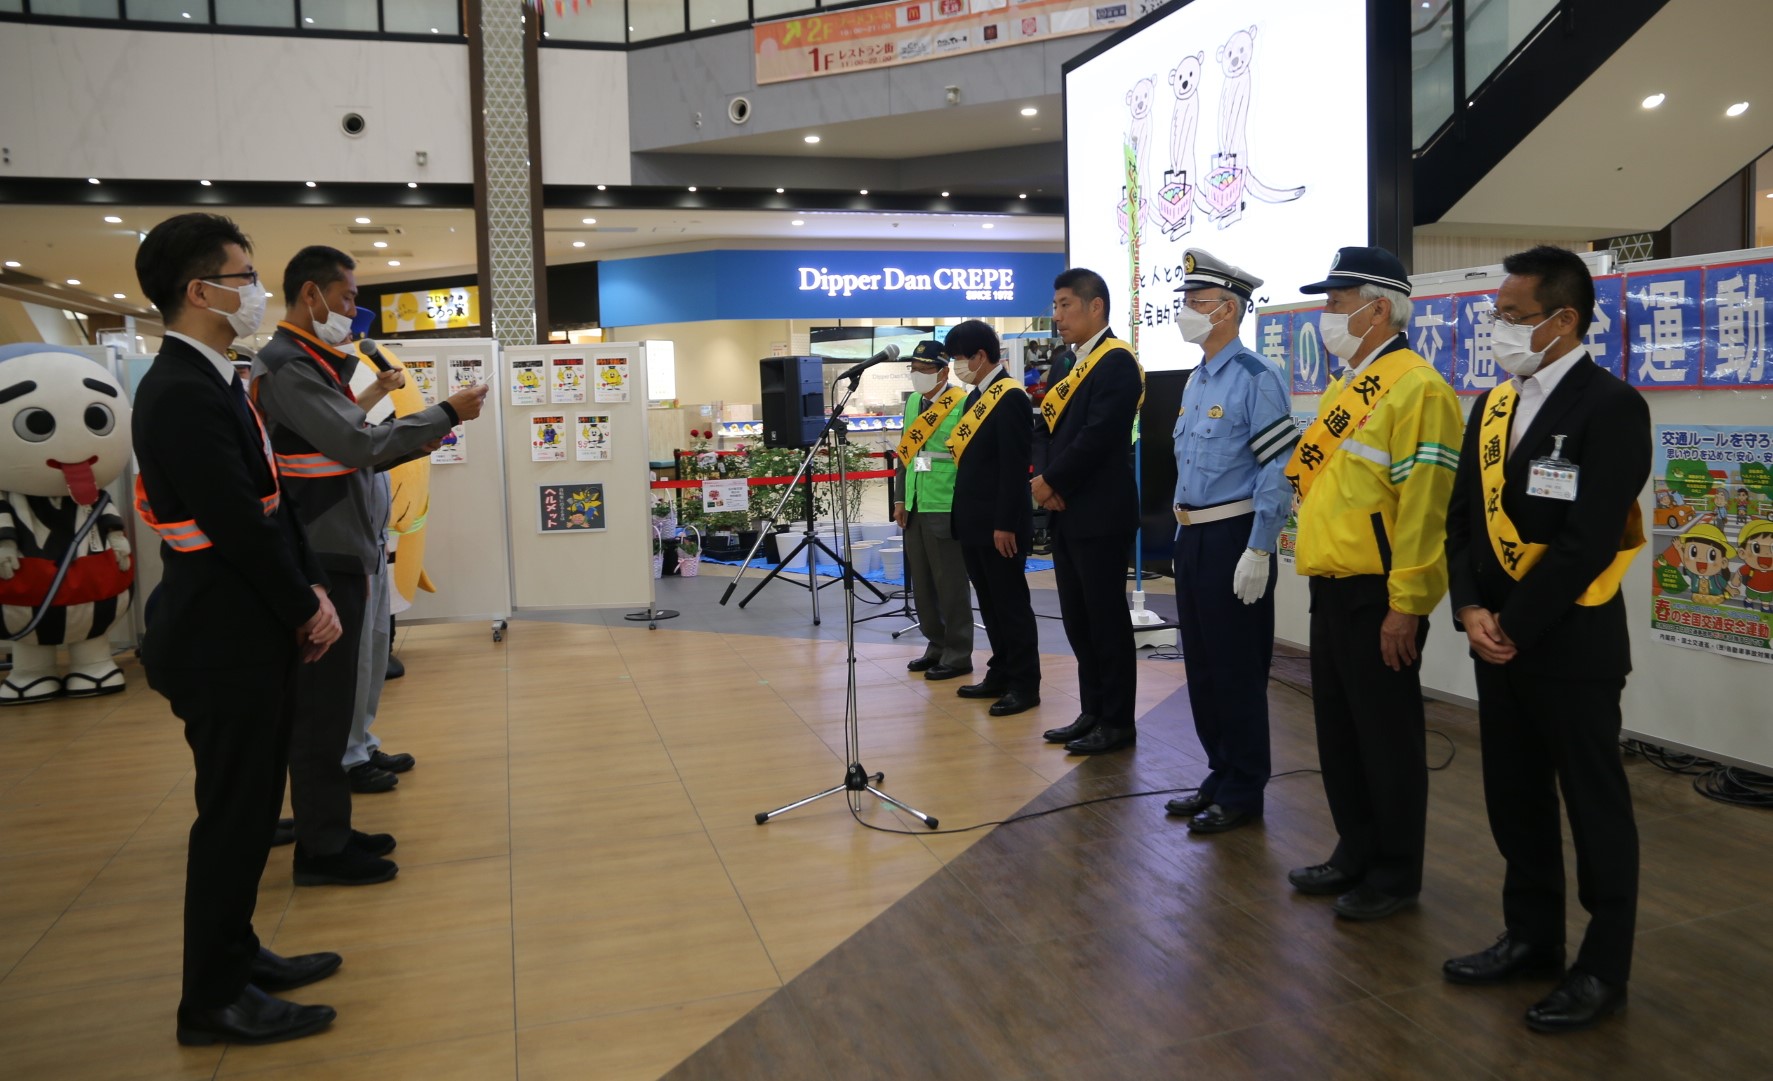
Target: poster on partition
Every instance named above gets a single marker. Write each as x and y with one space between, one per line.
566 380
465 372
569 508
612 379
593 437
423 372
724 495
547 437
526 382
1711 533
453 450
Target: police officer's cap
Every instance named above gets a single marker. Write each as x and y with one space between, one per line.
1204 270
1355 267
928 351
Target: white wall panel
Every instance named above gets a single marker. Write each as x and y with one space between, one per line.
584 101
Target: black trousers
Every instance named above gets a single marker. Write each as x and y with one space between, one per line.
325 699
1539 733
1002 586
1226 649
1092 580
237 724
1371 742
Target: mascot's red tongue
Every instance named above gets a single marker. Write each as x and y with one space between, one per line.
81 484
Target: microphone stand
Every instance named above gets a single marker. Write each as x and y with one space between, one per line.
856 778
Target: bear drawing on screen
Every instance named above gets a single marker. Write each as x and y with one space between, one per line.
1139 100
1175 198
1231 175
64 430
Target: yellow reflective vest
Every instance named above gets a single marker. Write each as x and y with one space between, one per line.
1380 506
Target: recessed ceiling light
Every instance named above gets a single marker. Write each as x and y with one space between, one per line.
797 221
393 262
381 243
362 221
311 184
205 183
1029 110
544 33
434 30
412 183
578 243
864 191
944 195
14 263
1654 100
119 296
113 219
988 225
1022 195
1737 109
809 138
73 281
185 14
309 20
692 187
92 180
602 187
780 191
588 221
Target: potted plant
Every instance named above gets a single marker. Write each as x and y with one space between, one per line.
658 552
664 513
689 551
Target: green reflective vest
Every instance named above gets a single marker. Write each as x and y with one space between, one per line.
931 492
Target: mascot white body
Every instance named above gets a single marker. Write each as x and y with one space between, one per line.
64 435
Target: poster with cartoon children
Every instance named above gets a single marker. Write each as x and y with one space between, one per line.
1712 516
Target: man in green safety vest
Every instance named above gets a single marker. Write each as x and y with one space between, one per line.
925 486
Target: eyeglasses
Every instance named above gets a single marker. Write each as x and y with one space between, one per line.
251 276
1516 320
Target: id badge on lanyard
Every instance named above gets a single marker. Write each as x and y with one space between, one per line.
921 463
1554 477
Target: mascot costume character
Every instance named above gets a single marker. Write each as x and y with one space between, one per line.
65 566
409 484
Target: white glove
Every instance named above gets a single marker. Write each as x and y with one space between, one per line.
119 545
1250 580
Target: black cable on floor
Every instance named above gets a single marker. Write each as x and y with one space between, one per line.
1715 781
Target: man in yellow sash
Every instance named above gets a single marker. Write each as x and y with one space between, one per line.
993 519
933 560
1087 482
1543 524
1373 474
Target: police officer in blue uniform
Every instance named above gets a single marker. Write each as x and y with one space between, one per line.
1232 441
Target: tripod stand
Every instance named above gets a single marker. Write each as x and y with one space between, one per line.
856 778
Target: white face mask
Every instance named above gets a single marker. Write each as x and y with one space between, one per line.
1195 327
245 319
925 382
1512 346
1337 338
335 330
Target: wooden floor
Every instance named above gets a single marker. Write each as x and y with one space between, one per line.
583 893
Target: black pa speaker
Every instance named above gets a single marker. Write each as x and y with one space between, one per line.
793 400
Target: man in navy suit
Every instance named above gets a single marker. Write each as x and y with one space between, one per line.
1087 483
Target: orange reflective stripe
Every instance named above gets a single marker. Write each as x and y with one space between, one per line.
310 465
185 536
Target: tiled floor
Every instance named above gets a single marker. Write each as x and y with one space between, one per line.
583 893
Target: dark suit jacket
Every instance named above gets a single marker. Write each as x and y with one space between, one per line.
237 603
1607 428
991 479
1089 456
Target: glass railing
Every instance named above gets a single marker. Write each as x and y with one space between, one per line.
1456 46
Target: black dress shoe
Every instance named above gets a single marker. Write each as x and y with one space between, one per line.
284 834
273 973
346 867
393 763
1013 703
946 671
1075 730
922 664
1321 878
1217 819
254 1017
1508 959
368 777
395 668
372 844
983 689
1370 903
1102 739
1188 806
1579 1002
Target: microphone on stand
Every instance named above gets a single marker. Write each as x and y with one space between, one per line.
891 352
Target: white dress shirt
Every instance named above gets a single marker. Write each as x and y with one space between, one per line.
223 366
1535 388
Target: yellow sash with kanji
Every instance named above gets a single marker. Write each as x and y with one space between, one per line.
1516 555
927 422
1352 407
975 417
1060 395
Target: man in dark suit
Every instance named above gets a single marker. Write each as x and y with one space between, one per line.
1543 523
993 519
1087 483
241 603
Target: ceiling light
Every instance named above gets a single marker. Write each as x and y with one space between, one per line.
588 221
73 281
1029 110
1654 100
309 20
119 296
113 219
1023 195
779 191
944 195
412 183
692 187
393 262
362 221
544 33
797 221
578 243
864 191
185 14
1737 109
14 263
205 183
92 180
809 138
311 184
434 30
381 243
988 225
602 187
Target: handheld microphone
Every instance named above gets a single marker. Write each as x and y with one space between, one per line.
373 353
891 352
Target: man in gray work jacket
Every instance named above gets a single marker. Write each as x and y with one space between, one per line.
330 458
